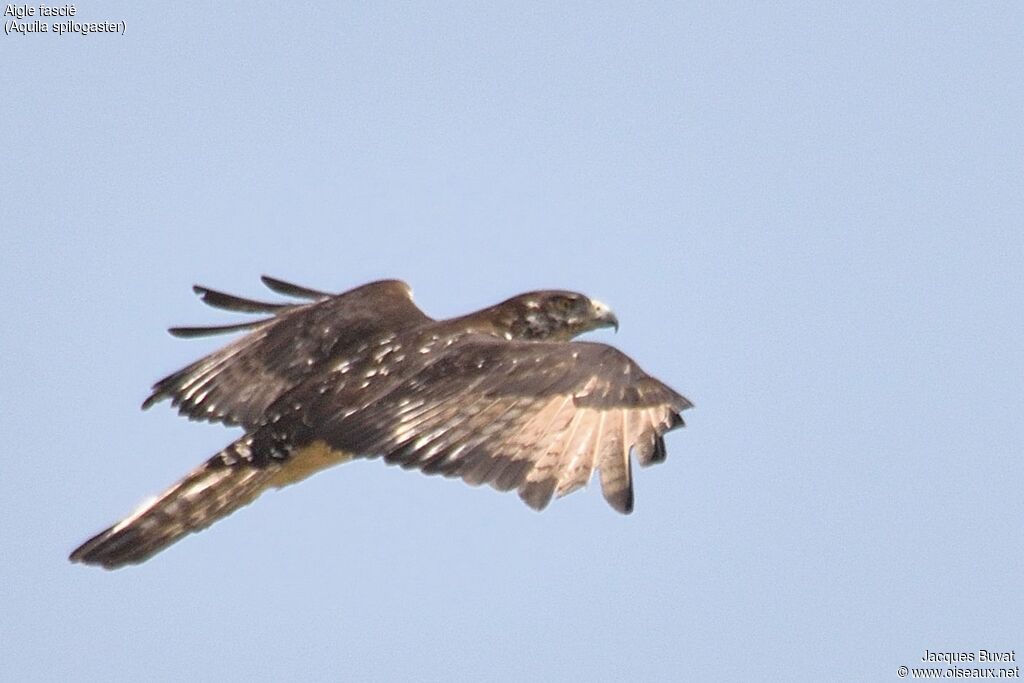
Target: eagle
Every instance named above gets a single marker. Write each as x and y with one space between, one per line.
502 396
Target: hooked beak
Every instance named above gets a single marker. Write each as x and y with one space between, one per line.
603 315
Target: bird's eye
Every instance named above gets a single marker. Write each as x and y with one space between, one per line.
563 303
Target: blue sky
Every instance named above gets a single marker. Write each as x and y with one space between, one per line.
808 220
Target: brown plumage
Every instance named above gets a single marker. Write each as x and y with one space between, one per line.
500 396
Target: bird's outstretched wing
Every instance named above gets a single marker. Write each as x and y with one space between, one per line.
538 417
207 494
236 383
367 374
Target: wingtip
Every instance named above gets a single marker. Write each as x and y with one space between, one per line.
621 501
191 332
627 508
79 555
538 494
682 403
676 420
291 289
95 552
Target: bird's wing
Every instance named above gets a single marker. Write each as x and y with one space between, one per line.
538 417
236 383
534 416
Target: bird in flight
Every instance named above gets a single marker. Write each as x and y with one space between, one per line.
501 396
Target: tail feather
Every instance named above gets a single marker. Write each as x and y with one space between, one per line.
218 487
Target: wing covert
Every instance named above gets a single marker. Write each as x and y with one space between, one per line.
237 383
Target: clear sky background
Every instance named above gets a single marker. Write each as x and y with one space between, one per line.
808 219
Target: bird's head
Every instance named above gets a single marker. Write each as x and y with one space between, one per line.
552 315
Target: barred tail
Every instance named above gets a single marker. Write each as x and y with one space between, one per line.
214 490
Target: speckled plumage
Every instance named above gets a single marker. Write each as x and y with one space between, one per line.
500 396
